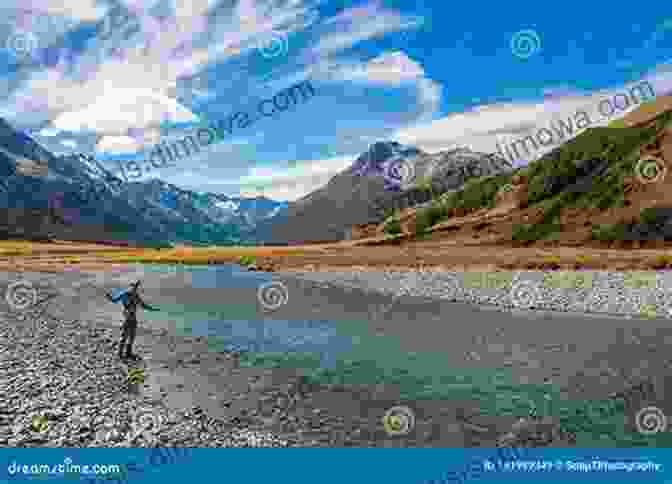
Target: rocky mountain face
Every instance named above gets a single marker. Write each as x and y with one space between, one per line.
388 176
75 197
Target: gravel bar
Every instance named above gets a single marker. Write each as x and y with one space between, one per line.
628 294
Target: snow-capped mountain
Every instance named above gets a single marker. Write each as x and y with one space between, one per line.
75 197
385 176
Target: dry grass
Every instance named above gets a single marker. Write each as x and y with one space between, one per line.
217 255
59 255
661 262
585 262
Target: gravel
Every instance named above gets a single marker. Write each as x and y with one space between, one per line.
65 375
63 385
629 294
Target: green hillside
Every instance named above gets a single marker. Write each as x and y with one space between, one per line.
549 176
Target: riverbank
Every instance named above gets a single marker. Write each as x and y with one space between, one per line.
468 385
196 395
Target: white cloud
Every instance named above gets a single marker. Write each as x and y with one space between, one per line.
484 126
119 109
82 10
359 24
293 183
118 145
49 132
162 51
390 68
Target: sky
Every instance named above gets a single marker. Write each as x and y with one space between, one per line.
114 78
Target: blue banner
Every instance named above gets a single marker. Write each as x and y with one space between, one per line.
389 466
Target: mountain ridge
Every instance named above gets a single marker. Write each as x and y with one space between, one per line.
74 197
365 191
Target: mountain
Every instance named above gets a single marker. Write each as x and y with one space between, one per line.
198 217
74 197
609 187
371 186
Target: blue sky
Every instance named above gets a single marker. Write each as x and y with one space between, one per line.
429 73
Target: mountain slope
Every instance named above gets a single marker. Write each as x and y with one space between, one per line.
75 197
365 191
608 186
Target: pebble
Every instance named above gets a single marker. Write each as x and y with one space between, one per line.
82 395
609 293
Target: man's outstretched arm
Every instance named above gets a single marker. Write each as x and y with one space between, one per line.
115 299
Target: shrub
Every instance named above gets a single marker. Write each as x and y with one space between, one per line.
533 232
389 213
430 216
608 232
392 226
246 260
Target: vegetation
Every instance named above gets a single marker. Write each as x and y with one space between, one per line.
247 260
392 226
608 232
430 216
425 184
476 193
620 146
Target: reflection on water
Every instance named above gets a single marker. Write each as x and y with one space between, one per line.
318 338
235 327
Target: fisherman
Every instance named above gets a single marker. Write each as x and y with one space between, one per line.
130 299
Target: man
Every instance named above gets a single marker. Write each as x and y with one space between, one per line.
130 299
